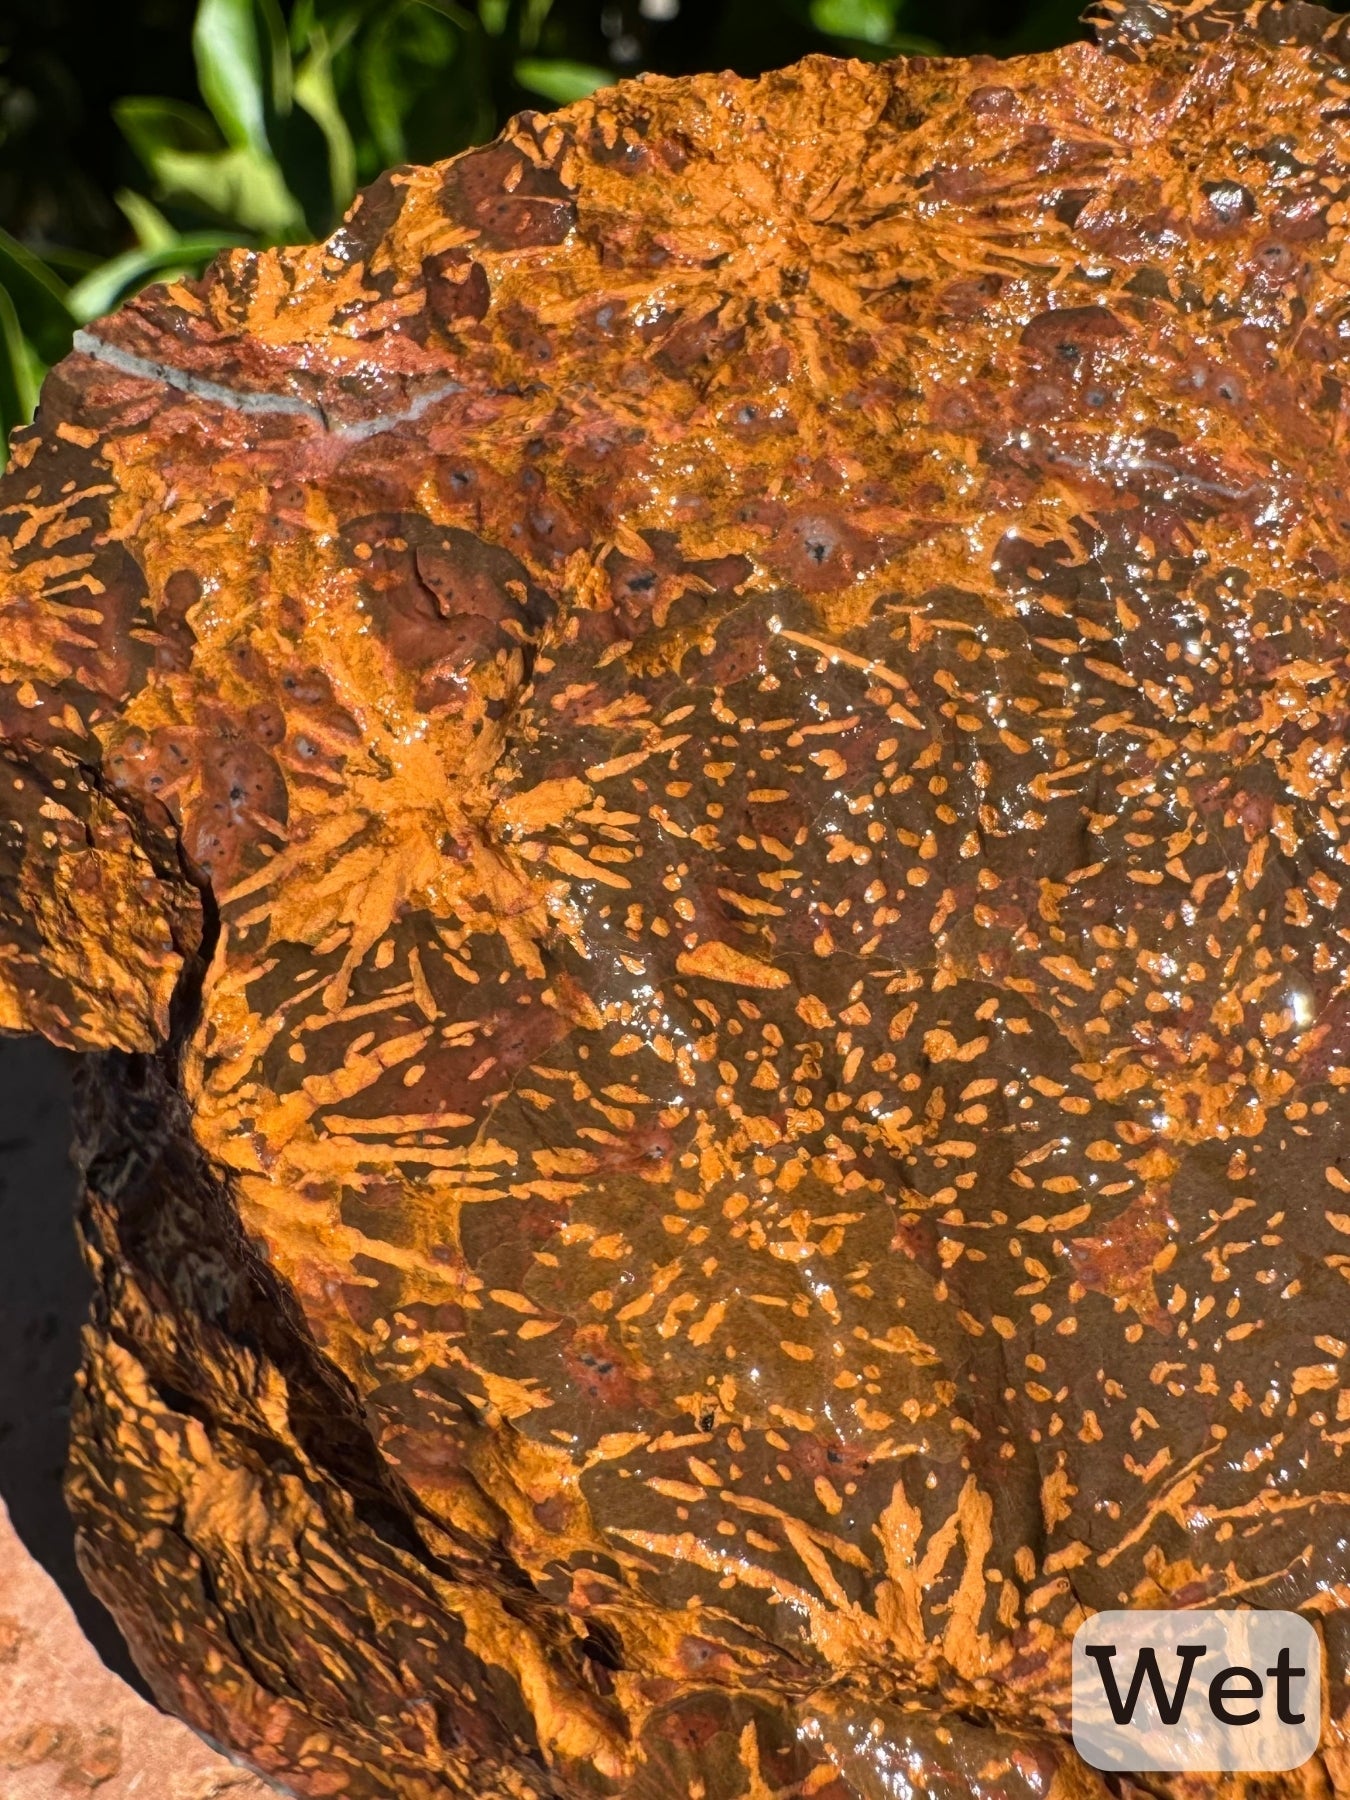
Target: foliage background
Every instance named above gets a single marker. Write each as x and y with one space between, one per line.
138 137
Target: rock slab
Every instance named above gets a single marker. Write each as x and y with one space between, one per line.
689 792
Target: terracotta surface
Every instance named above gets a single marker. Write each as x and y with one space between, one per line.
690 789
68 1727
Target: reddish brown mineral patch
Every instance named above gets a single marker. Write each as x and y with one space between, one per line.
692 785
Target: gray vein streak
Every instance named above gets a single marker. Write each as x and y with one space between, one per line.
365 428
242 400
149 370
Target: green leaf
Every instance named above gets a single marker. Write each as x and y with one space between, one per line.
151 126
407 73
152 229
493 16
279 47
341 27
561 82
21 374
243 186
36 297
314 91
866 21
384 92
183 152
230 70
532 22
114 280
67 264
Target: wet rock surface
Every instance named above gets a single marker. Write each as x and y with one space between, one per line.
689 792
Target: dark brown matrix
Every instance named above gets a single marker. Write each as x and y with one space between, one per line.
691 791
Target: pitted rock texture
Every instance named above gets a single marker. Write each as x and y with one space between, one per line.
692 787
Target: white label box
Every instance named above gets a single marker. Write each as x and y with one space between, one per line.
1218 1691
